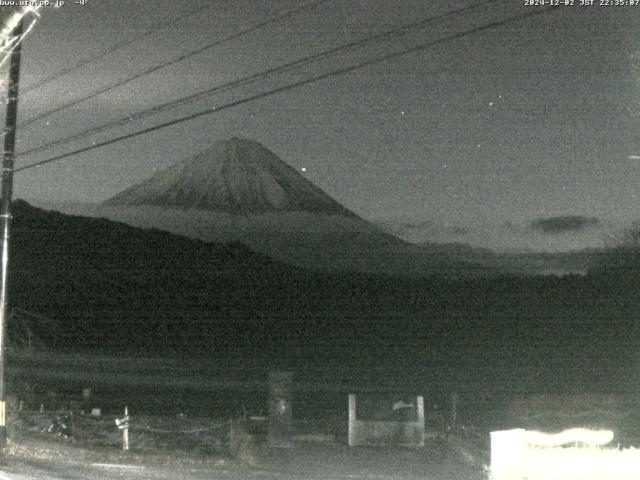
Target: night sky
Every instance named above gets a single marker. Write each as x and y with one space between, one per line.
523 136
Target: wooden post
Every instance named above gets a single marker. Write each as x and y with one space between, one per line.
420 420
280 415
125 430
352 419
86 400
454 411
123 424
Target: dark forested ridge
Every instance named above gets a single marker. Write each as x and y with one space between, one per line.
115 288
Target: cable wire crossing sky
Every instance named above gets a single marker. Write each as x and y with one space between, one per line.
451 121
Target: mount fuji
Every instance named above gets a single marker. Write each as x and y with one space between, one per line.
237 176
238 190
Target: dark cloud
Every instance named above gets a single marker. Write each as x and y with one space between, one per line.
563 224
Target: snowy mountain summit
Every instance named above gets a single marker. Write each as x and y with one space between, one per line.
239 191
234 176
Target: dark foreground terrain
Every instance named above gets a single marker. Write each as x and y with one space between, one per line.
83 285
205 419
176 328
93 453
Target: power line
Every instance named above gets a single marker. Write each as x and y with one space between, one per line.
291 86
386 35
178 59
110 50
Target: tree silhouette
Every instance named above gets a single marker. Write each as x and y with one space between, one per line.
622 257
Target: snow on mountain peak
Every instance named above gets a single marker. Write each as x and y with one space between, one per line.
233 176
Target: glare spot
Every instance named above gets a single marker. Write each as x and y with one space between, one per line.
304 169
520 453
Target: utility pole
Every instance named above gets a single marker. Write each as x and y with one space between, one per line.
5 213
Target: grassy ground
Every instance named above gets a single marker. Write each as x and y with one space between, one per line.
191 442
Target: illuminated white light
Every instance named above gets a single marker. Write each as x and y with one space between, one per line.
573 435
9 42
13 21
304 169
571 454
634 157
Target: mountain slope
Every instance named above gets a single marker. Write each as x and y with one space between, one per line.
235 176
238 190
112 286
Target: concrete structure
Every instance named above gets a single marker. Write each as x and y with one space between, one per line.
395 420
